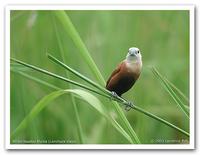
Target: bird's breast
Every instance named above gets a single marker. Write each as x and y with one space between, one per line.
124 77
133 68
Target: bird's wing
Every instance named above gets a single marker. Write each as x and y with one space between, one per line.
117 70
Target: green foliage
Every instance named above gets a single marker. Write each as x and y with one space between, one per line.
69 28
169 88
89 98
115 124
163 38
117 98
71 31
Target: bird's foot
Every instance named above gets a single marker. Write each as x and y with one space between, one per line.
114 95
128 106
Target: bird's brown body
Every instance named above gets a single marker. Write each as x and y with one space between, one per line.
126 74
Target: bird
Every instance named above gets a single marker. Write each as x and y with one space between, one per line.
126 73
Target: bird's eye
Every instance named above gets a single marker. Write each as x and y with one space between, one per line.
138 52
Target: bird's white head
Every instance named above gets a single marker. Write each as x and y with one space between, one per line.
133 54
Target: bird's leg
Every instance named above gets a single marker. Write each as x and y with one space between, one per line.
129 105
114 95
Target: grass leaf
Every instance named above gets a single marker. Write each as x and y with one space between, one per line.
18 67
169 89
132 133
36 79
45 101
71 31
79 127
58 77
34 112
179 92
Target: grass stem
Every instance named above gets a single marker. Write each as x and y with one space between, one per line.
58 77
78 122
121 100
161 120
169 89
69 28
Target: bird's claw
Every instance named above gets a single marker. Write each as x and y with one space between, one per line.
128 106
114 95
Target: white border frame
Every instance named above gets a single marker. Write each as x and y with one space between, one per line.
8 8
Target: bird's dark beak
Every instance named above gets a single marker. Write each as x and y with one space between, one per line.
132 54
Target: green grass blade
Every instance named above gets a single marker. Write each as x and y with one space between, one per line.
178 91
118 109
36 80
122 131
34 112
171 92
71 31
45 101
122 100
95 103
18 67
96 85
69 28
132 133
115 124
58 77
51 57
79 128
126 123
161 120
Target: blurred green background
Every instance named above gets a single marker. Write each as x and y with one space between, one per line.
162 37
